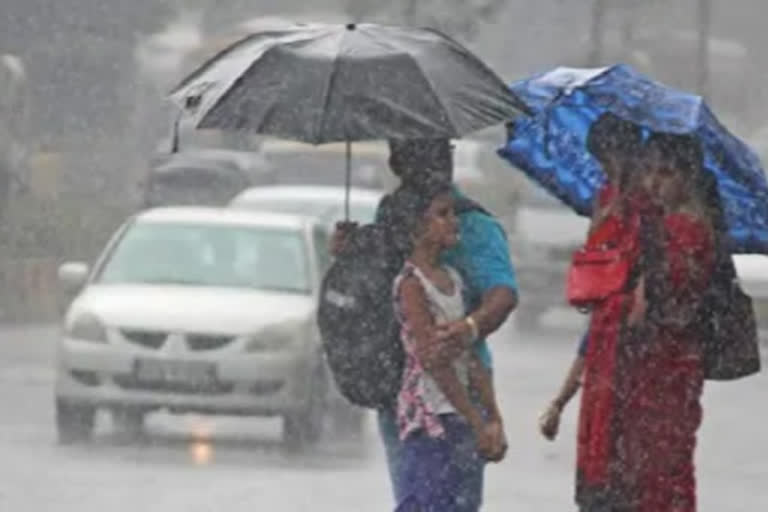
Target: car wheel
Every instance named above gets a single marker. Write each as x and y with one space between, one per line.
128 422
305 427
74 422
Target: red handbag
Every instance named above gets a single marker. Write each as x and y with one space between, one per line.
596 274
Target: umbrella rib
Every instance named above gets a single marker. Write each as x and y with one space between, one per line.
207 64
398 48
327 99
439 100
239 80
227 93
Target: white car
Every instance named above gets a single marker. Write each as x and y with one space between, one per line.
199 310
323 202
753 275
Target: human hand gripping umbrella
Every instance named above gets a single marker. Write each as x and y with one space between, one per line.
319 83
550 146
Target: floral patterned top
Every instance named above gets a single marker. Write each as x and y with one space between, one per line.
421 402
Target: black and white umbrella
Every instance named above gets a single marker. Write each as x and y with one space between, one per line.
341 83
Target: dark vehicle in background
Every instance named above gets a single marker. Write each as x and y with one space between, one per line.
203 177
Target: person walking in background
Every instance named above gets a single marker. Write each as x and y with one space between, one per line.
661 365
481 257
614 142
446 438
642 369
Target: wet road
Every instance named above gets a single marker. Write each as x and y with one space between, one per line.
200 464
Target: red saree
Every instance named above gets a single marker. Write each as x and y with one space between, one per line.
640 402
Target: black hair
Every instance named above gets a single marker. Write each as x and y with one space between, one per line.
683 151
610 134
686 155
417 160
706 185
408 206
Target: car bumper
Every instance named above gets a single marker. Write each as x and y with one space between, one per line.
263 384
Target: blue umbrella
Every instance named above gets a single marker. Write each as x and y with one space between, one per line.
550 146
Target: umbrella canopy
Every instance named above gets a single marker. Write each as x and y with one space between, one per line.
550 147
332 83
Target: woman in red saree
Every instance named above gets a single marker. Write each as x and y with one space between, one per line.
643 380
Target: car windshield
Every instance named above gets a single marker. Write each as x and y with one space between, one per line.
325 210
210 255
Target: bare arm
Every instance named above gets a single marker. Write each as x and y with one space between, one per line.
549 422
416 313
480 380
571 384
489 270
495 308
492 442
340 236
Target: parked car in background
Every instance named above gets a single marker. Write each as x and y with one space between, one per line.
202 177
199 310
753 275
323 202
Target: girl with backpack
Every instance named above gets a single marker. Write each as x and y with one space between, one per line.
446 433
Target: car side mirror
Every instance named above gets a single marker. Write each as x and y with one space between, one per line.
73 275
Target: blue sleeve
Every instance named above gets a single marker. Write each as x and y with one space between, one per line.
487 264
583 345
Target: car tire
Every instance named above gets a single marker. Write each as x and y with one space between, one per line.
74 422
305 427
129 422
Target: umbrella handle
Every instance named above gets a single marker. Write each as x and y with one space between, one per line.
348 182
175 132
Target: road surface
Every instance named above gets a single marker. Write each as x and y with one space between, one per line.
199 464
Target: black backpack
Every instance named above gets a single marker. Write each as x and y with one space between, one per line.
730 344
357 324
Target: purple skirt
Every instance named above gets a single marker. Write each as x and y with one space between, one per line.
441 475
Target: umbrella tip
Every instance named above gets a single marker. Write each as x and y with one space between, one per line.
351 26
192 102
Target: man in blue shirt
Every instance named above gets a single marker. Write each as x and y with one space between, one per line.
482 257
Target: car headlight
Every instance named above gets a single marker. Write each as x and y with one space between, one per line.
87 327
274 339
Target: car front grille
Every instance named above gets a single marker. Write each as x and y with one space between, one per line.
146 339
207 341
130 382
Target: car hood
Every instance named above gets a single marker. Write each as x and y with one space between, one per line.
189 308
752 270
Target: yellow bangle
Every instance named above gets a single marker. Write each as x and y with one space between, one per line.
473 326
